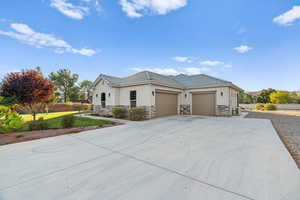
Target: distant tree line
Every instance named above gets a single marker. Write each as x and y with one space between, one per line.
269 96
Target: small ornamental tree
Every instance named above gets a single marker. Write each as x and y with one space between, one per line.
29 88
281 97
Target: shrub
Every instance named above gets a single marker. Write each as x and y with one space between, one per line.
270 107
119 112
137 114
19 136
9 120
259 106
39 124
68 121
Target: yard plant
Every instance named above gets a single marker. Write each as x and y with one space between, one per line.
137 114
270 106
119 112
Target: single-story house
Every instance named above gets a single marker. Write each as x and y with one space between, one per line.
162 95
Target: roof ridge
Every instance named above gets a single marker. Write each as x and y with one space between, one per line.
165 76
133 74
110 76
215 78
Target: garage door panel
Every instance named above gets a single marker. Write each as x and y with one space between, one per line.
166 104
204 104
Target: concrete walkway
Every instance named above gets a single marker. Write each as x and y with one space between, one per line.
172 158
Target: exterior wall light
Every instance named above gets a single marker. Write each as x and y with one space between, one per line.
185 95
152 93
221 93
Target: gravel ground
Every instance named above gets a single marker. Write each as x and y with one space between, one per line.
287 126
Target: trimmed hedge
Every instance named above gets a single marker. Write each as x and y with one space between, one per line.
259 106
39 124
68 121
137 114
119 112
270 107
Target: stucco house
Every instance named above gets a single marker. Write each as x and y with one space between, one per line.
162 95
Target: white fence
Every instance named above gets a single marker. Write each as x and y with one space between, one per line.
279 106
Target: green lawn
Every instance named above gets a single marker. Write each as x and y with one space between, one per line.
55 123
28 117
54 120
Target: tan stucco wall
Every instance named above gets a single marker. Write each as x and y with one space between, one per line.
233 98
143 93
120 96
104 87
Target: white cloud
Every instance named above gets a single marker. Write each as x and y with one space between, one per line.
84 51
211 63
69 9
182 59
25 34
243 49
288 17
138 8
172 71
195 70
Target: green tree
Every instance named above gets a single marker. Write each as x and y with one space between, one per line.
264 96
297 98
39 70
245 98
85 88
282 97
75 94
65 82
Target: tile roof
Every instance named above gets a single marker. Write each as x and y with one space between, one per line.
181 80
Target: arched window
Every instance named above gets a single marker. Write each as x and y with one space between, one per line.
103 99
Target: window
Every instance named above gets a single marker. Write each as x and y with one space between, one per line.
133 98
103 100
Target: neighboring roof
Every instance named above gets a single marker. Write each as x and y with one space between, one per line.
179 81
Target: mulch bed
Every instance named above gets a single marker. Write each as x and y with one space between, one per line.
16 137
288 129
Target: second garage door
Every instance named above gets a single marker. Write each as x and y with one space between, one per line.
204 104
166 104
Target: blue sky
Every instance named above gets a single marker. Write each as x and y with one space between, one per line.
254 44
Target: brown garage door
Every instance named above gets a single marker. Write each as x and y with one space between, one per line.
204 104
166 104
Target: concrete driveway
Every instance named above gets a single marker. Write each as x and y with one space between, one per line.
172 158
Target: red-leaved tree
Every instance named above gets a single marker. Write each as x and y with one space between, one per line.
29 88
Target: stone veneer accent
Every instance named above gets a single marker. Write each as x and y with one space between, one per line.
149 110
223 110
